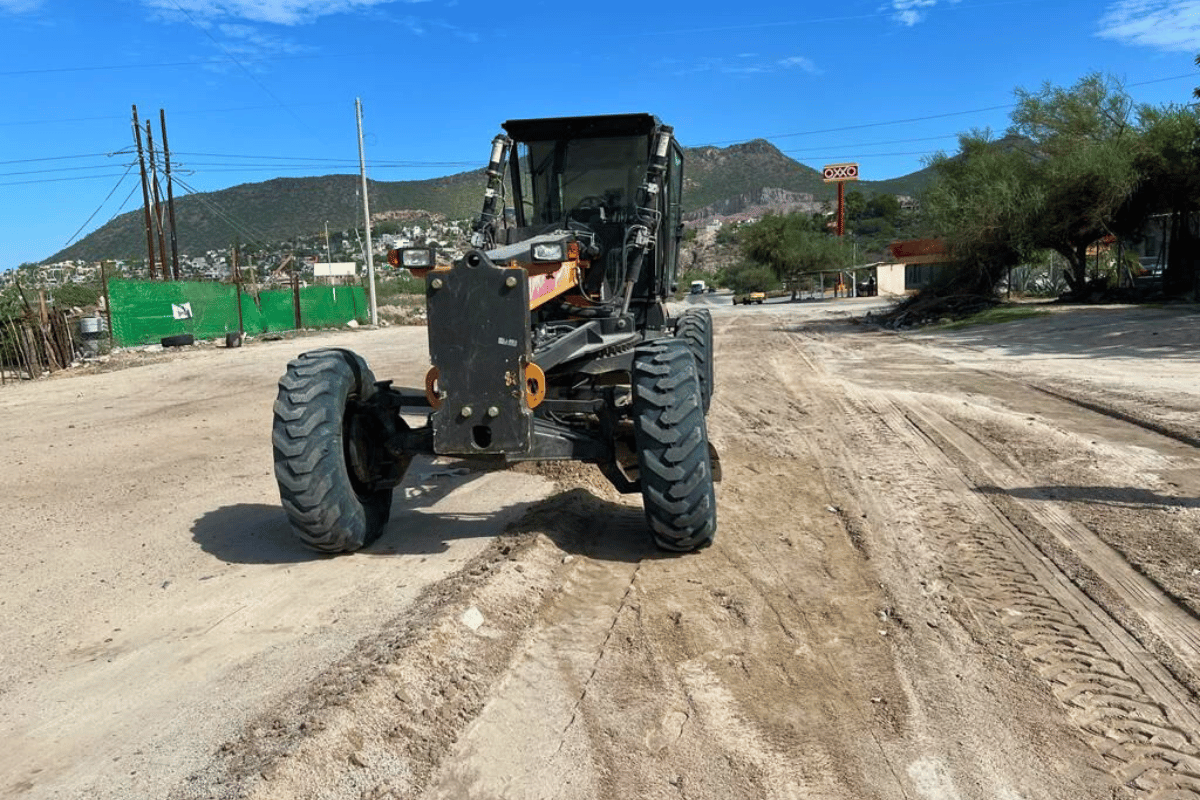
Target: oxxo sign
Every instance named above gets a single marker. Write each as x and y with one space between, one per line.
835 173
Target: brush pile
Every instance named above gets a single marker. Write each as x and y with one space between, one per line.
930 309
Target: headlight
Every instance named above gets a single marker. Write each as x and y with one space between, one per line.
418 257
548 251
414 257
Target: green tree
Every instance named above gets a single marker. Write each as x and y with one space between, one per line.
76 294
1082 148
793 245
746 276
1168 163
1058 181
856 205
981 203
729 234
10 303
884 206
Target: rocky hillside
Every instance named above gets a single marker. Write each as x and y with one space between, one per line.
742 179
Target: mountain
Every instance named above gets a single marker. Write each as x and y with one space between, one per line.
717 181
713 174
278 210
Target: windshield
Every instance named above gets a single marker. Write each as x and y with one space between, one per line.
588 180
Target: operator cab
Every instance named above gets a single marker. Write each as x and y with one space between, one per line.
588 176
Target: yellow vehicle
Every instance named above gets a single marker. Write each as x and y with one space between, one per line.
750 297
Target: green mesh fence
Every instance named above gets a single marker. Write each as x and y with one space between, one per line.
143 312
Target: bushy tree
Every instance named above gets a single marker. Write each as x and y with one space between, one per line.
1058 181
982 204
884 206
76 294
746 276
1168 161
792 245
856 205
10 303
1082 147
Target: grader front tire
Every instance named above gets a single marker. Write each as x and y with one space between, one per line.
672 441
320 418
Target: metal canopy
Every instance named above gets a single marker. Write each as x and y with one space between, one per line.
554 128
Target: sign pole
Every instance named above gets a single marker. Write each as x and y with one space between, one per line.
841 212
839 174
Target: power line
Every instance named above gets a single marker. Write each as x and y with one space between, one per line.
13 123
64 158
920 119
327 160
211 62
868 125
60 180
212 169
204 200
54 169
889 141
868 155
102 202
235 60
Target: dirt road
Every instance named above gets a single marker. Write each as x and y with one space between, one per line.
950 566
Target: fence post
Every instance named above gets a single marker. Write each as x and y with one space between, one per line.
237 287
296 297
107 304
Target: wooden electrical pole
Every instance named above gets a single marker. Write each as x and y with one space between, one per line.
162 117
137 135
158 213
237 288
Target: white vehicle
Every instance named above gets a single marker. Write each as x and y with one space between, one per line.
698 287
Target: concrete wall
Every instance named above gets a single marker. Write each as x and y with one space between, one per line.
890 279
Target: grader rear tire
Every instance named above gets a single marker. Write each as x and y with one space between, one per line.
672 441
695 328
321 430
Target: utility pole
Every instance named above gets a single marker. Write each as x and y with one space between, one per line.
237 288
158 214
162 117
137 135
362 166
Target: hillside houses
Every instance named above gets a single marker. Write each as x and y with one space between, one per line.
261 265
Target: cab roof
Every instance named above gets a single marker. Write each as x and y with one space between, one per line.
594 127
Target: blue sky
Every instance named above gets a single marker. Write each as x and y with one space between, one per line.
257 89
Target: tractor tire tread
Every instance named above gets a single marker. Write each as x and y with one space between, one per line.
325 509
672 443
695 327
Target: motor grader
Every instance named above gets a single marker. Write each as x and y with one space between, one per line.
550 339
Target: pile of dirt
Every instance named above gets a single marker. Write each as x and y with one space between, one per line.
929 308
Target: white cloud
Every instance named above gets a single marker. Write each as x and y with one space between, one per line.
278 12
242 39
1163 24
739 64
19 6
910 12
800 62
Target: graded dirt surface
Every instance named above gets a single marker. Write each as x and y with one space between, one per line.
950 565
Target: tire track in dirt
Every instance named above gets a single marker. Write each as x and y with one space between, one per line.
1136 714
729 673
1174 625
528 731
1108 409
888 714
